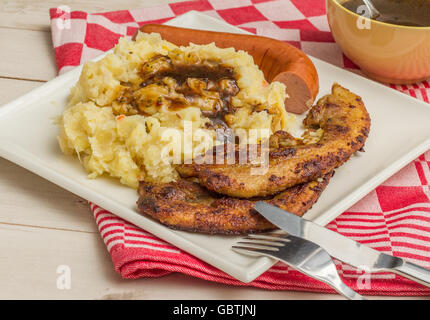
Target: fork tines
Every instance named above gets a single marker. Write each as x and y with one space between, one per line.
258 243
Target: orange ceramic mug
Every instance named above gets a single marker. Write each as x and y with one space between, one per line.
385 52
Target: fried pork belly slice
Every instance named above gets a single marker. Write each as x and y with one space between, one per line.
340 118
186 205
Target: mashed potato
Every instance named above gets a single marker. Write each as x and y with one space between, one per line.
123 118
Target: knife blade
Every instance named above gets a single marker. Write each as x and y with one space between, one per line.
342 248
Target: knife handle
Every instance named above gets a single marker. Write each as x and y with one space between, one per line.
414 272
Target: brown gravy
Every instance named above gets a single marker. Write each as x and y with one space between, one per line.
211 75
208 85
182 72
414 13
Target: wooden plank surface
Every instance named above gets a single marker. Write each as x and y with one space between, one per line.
43 226
34 14
12 88
41 203
37 253
27 55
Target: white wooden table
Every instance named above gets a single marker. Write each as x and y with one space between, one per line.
43 226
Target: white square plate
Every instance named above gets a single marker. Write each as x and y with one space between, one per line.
399 133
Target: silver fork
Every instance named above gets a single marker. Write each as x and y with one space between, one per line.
301 254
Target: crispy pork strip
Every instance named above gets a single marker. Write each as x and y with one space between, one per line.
345 123
186 205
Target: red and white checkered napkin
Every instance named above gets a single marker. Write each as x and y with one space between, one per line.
394 218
